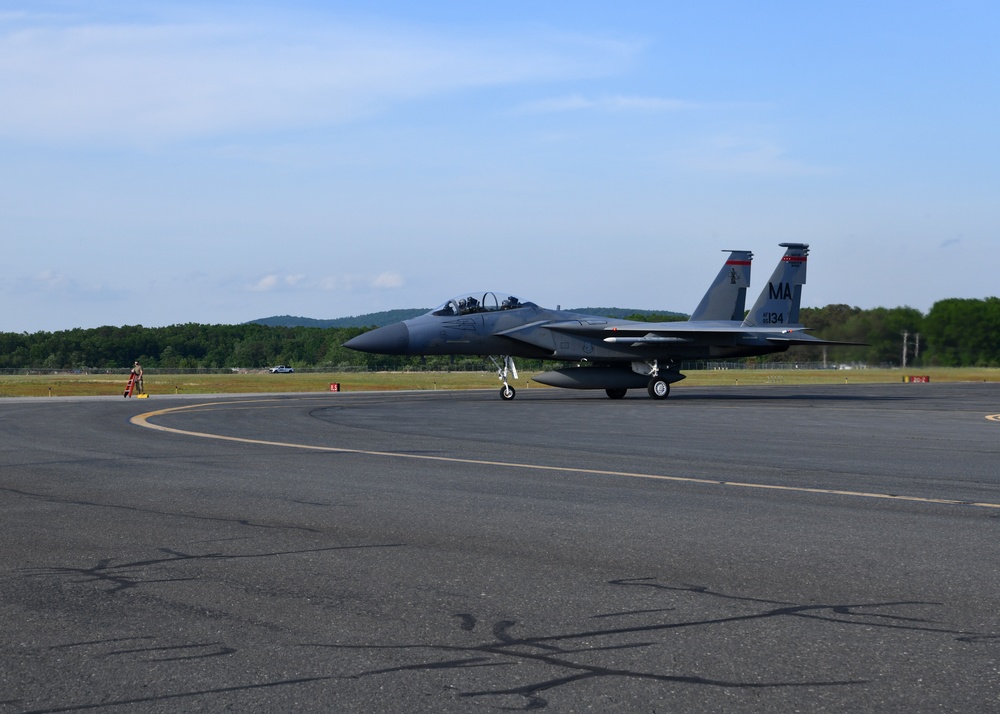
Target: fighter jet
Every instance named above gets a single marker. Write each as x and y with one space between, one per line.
613 355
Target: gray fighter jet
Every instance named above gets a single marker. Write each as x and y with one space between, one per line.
613 355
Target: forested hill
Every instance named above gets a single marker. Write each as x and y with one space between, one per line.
372 319
955 333
623 313
387 317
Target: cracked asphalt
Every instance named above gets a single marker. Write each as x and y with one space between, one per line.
760 549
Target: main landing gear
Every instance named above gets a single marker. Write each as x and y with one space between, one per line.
658 388
506 392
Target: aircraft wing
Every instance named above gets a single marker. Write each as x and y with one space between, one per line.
806 339
530 333
638 333
630 328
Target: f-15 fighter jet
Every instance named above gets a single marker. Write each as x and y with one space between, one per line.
617 355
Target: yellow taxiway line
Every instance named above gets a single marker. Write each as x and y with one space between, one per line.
143 420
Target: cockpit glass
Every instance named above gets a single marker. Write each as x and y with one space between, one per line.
471 303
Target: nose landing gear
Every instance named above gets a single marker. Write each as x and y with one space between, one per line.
506 392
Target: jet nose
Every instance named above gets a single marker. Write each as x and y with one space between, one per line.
389 340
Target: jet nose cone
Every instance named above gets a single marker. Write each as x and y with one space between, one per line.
388 340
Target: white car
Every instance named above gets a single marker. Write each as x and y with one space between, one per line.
281 369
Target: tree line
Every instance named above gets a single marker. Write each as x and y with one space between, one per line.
954 333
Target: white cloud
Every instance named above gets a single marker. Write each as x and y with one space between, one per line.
353 282
577 102
152 81
265 284
736 155
342 283
274 281
388 280
50 279
53 284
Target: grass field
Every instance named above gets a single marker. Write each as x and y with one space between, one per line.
64 385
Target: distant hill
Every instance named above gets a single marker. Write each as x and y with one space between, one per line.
623 312
377 319
387 317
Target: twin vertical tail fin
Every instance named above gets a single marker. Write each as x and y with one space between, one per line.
778 303
726 298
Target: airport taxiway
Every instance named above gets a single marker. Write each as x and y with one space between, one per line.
753 548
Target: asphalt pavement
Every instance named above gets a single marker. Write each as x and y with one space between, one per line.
757 549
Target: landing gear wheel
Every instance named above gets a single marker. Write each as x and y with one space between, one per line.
616 393
658 388
507 393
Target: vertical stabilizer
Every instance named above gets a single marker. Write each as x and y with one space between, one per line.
726 298
779 301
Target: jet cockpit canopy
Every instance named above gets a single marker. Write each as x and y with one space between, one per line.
474 302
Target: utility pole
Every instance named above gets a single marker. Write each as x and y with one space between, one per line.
906 346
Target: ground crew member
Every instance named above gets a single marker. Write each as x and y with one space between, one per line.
137 371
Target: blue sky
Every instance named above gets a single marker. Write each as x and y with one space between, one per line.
164 163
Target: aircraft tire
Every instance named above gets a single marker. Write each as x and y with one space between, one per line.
616 393
658 388
507 393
